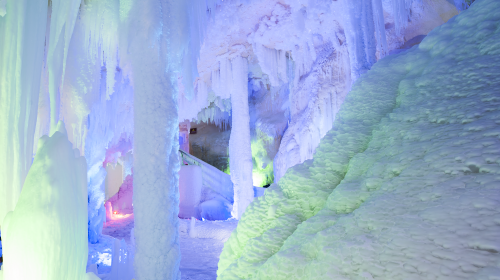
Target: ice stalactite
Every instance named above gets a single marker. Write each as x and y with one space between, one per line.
379 25
96 97
188 109
401 10
313 108
240 153
45 237
273 63
22 30
62 22
360 34
156 50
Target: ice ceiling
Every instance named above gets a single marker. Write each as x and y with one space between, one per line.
382 158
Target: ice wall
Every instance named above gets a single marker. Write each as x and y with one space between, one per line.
406 183
45 237
22 29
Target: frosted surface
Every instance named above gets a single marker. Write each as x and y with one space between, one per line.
155 49
406 184
48 228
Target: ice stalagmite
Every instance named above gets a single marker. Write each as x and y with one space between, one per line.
240 153
22 31
157 40
45 237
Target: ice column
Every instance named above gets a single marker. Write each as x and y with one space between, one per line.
22 35
155 50
240 152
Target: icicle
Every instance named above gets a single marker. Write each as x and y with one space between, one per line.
273 63
378 19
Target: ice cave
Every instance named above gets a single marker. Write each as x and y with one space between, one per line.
249 139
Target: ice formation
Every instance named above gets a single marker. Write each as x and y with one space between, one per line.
267 81
121 202
302 59
48 228
19 87
406 183
240 153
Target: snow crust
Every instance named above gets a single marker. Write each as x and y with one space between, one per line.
48 227
405 186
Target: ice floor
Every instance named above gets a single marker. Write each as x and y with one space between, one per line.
200 247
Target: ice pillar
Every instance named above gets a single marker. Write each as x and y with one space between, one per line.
22 34
240 152
156 36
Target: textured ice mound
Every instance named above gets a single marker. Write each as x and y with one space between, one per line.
407 183
45 237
